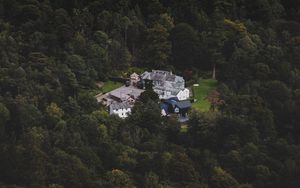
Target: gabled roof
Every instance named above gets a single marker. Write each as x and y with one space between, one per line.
172 101
184 104
161 76
117 106
166 79
134 75
170 77
123 93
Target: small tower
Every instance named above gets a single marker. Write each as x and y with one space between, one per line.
134 79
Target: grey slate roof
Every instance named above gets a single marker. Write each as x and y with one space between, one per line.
164 81
170 78
117 106
124 92
157 75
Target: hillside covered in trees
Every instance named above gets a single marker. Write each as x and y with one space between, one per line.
53 134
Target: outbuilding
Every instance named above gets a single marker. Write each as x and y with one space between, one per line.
182 107
122 109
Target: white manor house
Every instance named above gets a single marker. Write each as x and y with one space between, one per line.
167 85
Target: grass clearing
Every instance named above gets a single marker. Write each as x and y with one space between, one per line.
200 93
106 87
110 85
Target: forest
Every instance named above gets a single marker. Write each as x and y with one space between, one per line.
54 134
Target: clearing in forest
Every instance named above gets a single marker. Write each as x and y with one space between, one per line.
200 92
110 85
105 87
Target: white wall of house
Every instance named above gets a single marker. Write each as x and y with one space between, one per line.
163 112
122 113
166 95
183 94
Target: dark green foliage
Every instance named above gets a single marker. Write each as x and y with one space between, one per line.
53 134
181 169
147 115
157 47
4 117
148 95
185 49
221 178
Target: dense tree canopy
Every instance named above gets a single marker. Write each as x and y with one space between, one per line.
53 133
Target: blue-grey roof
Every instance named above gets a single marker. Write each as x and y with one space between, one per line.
184 104
172 101
164 107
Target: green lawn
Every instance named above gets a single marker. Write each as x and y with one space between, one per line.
109 86
200 93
